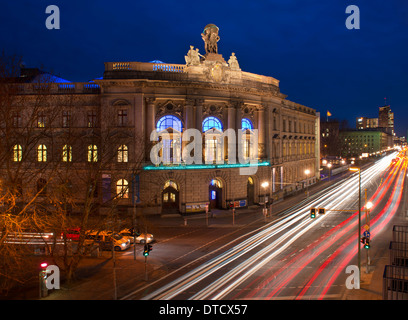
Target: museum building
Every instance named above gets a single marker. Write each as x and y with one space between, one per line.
209 94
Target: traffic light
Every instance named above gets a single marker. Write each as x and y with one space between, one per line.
322 210
147 249
366 242
312 213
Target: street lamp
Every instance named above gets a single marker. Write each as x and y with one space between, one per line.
329 166
354 169
307 172
265 185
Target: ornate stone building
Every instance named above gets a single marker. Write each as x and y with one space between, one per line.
207 93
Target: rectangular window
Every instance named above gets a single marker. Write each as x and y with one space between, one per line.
123 153
122 118
41 117
42 153
16 120
67 153
66 119
91 121
17 153
92 153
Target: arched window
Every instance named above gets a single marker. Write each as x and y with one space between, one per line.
67 153
42 153
170 183
17 153
217 183
123 153
212 122
122 188
246 124
169 121
92 153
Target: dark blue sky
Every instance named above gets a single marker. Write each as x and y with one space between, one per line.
305 44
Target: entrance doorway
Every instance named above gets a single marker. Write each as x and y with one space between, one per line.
170 197
250 191
215 190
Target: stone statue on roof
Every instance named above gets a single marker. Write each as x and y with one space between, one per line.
210 38
233 62
193 57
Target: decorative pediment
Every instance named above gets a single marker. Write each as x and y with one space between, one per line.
169 107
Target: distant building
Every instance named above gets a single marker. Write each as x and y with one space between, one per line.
386 119
329 135
366 123
354 143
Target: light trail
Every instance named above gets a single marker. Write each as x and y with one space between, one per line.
287 229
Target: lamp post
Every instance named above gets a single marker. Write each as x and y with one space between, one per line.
359 221
307 172
368 206
265 185
329 166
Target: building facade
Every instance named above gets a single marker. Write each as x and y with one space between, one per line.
366 123
110 126
355 143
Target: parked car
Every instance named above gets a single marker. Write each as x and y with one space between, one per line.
105 239
140 238
72 234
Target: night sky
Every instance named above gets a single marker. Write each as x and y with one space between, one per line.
305 44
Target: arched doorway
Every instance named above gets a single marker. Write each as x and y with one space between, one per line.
170 197
250 191
215 190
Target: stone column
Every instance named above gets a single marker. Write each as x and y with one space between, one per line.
260 114
150 122
199 114
189 120
231 123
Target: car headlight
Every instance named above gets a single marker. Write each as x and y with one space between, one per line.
124 244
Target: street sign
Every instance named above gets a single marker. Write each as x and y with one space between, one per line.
366 234
367 227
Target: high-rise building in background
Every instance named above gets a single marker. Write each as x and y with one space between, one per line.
386 119
365 123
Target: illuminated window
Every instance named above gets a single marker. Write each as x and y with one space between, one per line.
67 153
212 122
41 153
123 153
92 153
213 195
41 120
216 183
170 183
17 153
246 124
212 152
169 121
122 188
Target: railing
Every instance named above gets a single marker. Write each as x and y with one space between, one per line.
144 66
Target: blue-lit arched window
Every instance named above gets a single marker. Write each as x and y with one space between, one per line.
212 122
246 124
169 121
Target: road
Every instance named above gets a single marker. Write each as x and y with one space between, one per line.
291 257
